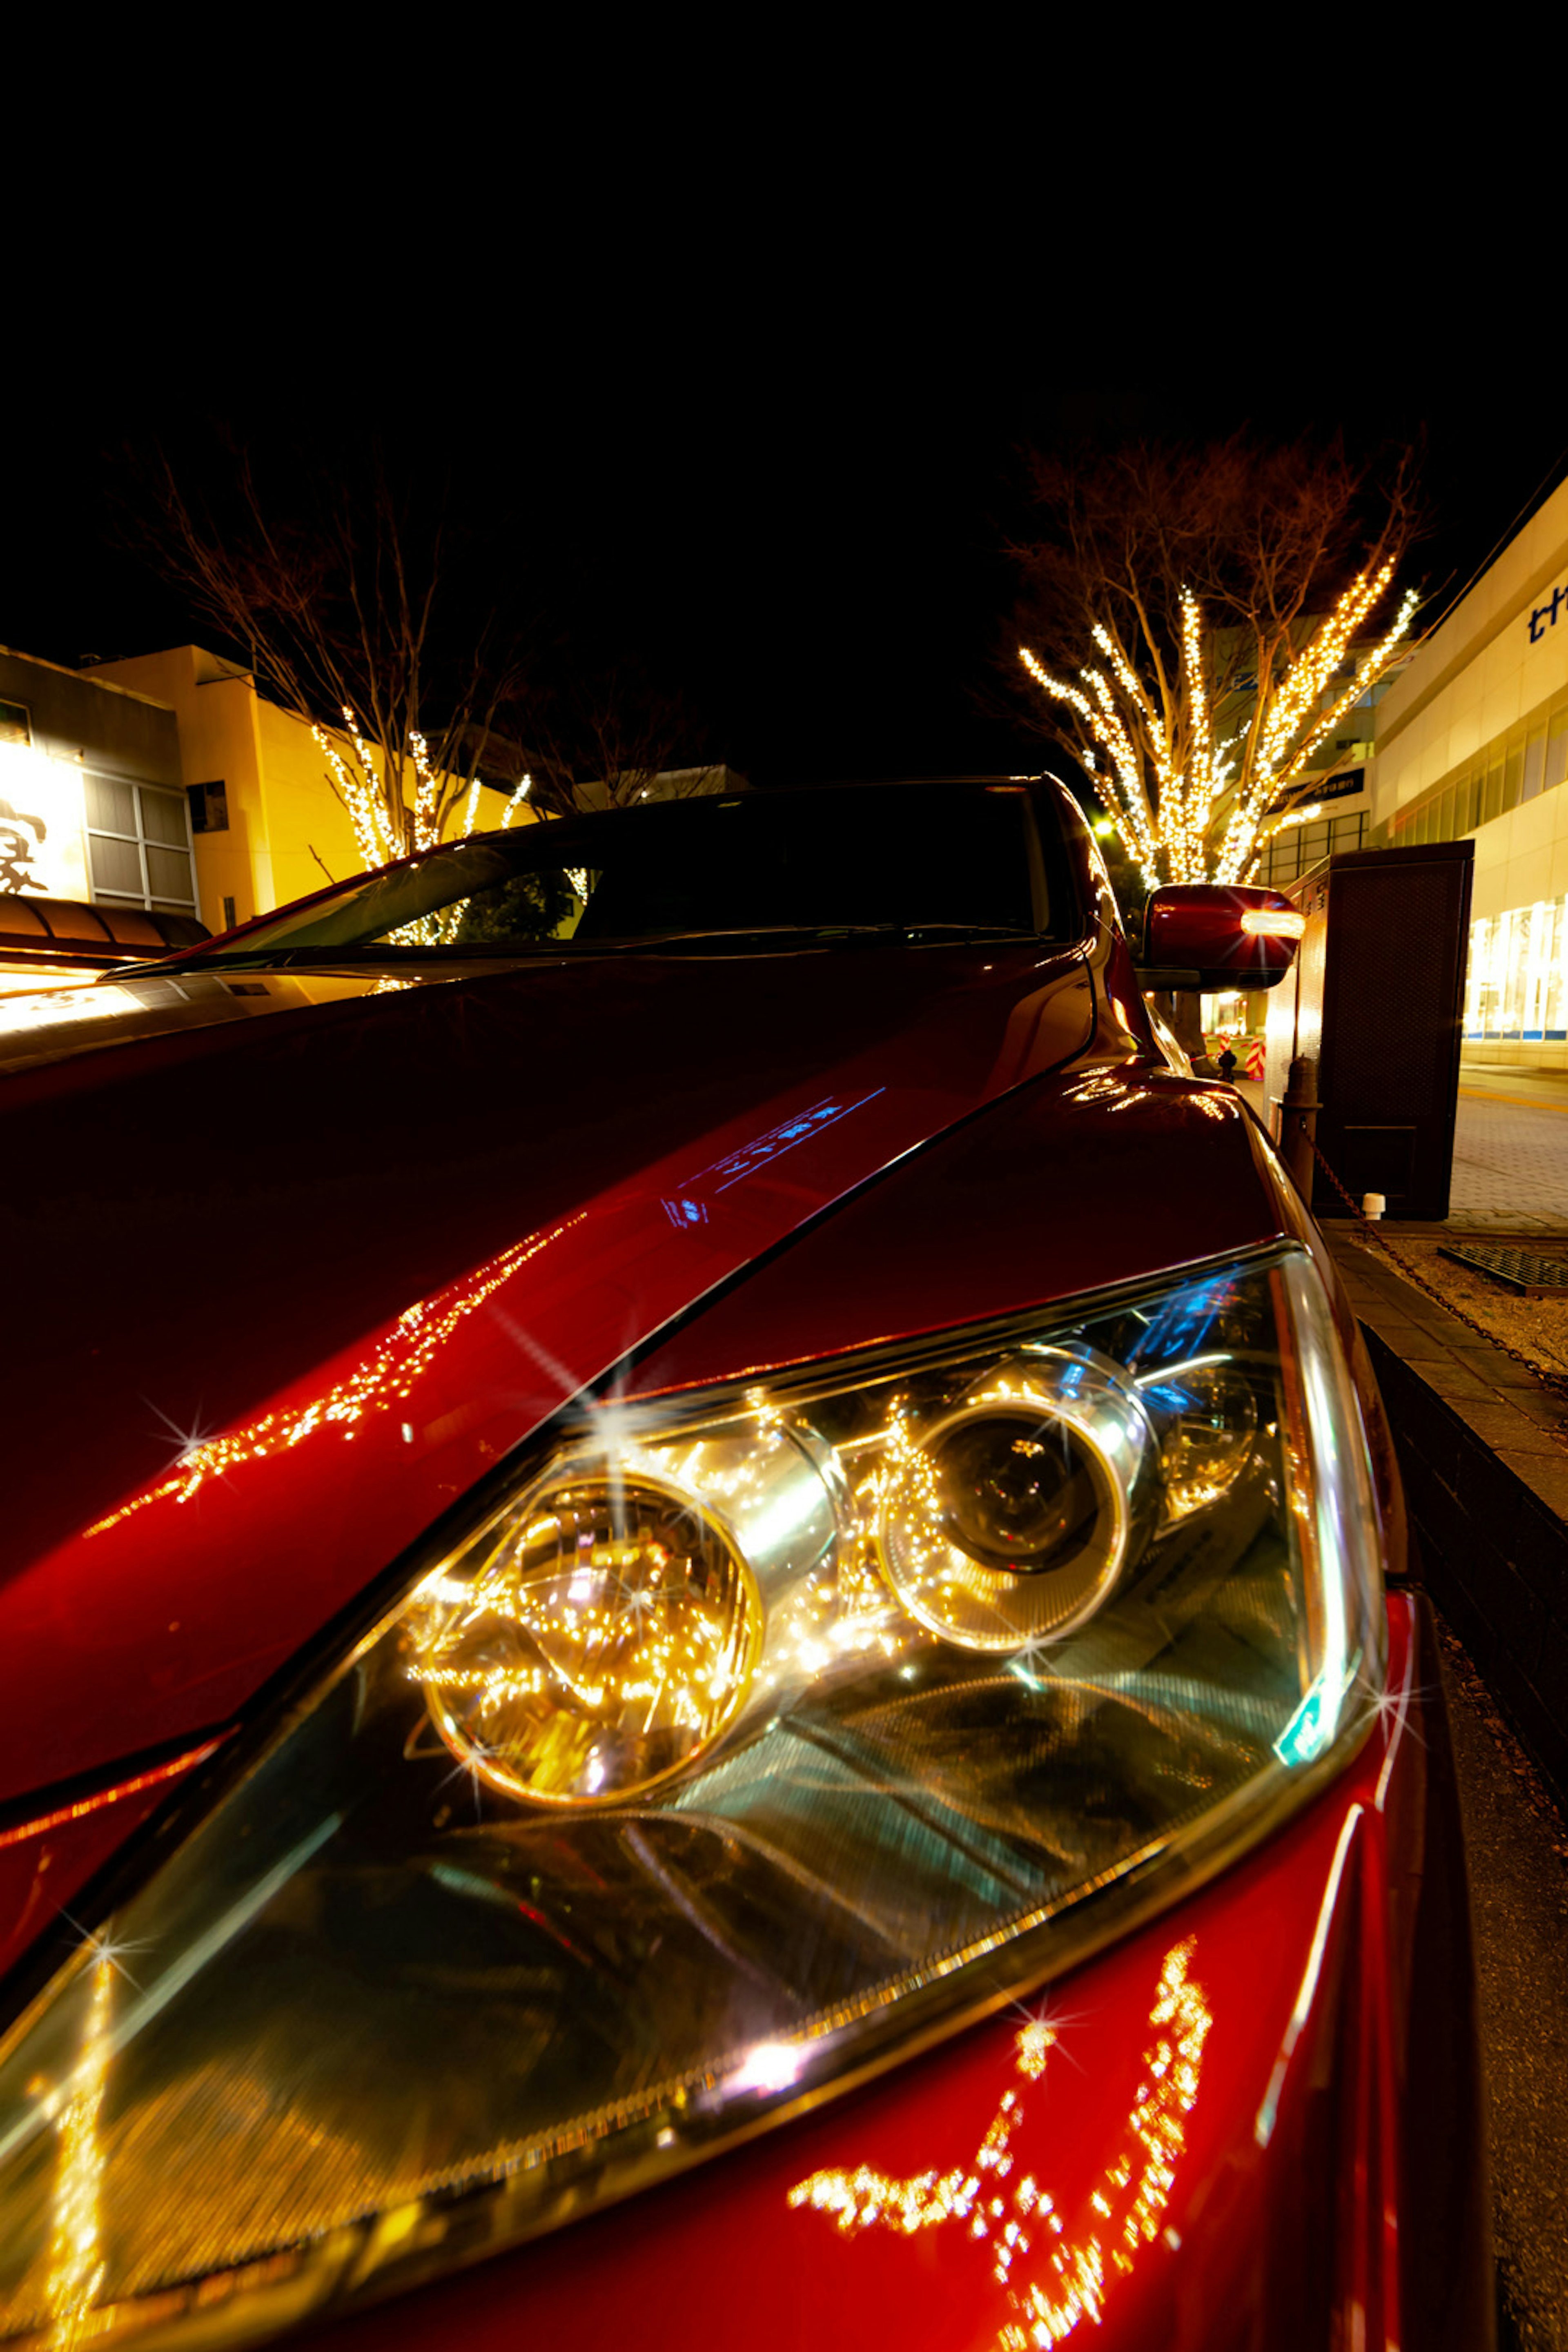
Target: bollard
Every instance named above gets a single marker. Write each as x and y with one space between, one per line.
1298 1122
1372 1205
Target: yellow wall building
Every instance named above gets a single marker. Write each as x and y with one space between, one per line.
265 824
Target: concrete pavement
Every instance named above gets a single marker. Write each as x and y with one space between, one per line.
1510 1151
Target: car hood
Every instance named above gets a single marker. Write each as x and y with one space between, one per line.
292 1269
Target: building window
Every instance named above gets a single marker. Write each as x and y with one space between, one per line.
1300 848
209 807
139 844
1517 982
14 725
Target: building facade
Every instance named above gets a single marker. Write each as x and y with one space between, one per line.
266 826
92 798
1472 740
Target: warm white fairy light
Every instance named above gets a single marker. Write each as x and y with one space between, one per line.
365 802
385 827
1169 833
1123 794
426 793
1295 725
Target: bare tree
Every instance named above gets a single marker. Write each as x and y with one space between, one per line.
1198 621
344 594
610 737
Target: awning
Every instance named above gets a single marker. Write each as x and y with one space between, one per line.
69 932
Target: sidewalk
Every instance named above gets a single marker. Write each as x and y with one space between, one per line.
1510 1151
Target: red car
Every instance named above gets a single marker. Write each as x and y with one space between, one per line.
702 1639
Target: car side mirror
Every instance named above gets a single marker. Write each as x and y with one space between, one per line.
1212 935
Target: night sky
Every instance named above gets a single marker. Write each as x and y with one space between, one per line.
802 532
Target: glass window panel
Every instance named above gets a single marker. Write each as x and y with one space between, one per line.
1465 805
1492 806
1535 762
1556 750
111 806
163 818
1513 777
169 875
116 864
1446 816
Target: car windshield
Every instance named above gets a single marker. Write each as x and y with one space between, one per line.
922 859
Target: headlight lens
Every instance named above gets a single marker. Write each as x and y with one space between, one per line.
598 1647
754 1735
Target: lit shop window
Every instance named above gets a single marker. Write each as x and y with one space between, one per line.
1516 985
14 725
139 843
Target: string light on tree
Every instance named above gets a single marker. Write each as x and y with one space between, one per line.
1183 811
1193 629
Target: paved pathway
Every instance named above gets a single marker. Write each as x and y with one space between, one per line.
1511 1150
1511 1157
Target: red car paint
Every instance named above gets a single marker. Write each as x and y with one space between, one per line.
339 1259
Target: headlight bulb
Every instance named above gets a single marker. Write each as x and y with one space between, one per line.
1010 1517
608 1641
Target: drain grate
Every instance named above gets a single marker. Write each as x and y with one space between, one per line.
1537 1277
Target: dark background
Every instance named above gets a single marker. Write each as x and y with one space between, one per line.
797 516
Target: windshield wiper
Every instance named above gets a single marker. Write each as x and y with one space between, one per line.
829 935
364 953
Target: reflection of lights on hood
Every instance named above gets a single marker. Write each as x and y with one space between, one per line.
387 1374
89 1002
76 2257
1066 2283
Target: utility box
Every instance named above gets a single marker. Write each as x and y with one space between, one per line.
1376 997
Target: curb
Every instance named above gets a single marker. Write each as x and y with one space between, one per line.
1483 1453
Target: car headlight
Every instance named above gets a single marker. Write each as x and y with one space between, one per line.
759 1737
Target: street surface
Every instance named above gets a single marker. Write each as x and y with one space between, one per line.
1510 1172
1518 1857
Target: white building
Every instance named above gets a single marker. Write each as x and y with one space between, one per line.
1472 739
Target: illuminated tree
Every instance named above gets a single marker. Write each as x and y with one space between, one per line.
1198 622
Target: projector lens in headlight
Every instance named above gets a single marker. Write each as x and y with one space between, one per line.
1007 1519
